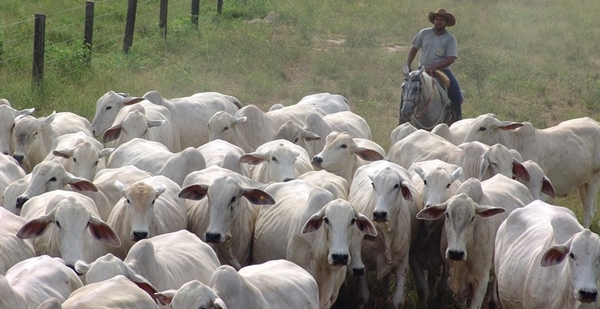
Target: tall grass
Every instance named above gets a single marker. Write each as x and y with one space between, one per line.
531 60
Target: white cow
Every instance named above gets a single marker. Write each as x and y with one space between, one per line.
456 132
224 154
34 136
474 158
58 221
12 193
164 261
310 228
157 159
569 152
337 185
193 112
277 160
30 282
226 217
12 248
468 235
316 127
545 259
271 285
342 154
250 127
107 109
10 171
51 175
127 175
148 121
401 131
384 192
327 102
7 123
539 186
149 207
80 154
116 292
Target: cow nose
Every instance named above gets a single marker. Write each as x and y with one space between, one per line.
588 296
138 235
213 237
19 157
456 255
316 160
358 272
339 259
380 216
21 201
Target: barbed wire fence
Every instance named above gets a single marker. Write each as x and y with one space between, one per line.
74 29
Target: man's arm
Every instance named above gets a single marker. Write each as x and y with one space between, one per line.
411 56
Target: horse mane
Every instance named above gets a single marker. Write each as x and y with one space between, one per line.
428 91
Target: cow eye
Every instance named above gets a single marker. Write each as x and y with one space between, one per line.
447 216
326 220
226 128
153 202
96 163
232 200
108 107
344 146
424 182
53 179
273 159
396 186
57 224
75 160
571 255
128 201
373 185
447 186
352 221
481 129
296 140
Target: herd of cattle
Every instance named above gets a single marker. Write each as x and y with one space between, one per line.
202 202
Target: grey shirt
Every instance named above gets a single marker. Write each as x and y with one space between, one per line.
434 48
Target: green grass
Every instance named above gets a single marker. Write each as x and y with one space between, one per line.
533 60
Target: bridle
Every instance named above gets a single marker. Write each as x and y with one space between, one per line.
415 98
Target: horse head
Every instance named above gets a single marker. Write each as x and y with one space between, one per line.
411 91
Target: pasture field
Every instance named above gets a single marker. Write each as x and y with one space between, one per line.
524 60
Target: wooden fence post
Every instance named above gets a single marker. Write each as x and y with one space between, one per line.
195 12
129 25
162 22
88 30
219 6
39 38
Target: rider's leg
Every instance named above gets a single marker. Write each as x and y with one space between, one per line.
454 94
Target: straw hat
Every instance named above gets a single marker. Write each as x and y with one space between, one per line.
441 12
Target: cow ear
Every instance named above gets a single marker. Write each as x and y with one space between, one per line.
112 133
253 158
309 136
34 228
547 187
81 184
63 153
554 255
160 190
134 100
520 171
119 186
148 288
369 154
155 123
406 192
165 297
365 225
105 152
258 197
313 223
194 192
48 120
488 211
415 167
433 212
509 125
103 232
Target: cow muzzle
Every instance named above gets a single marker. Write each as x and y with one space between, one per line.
456 255
340 259
587 297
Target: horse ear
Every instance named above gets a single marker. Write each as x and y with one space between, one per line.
406 70
421 70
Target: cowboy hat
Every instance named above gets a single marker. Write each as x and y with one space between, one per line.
447 15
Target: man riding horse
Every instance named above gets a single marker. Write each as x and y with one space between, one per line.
438 52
